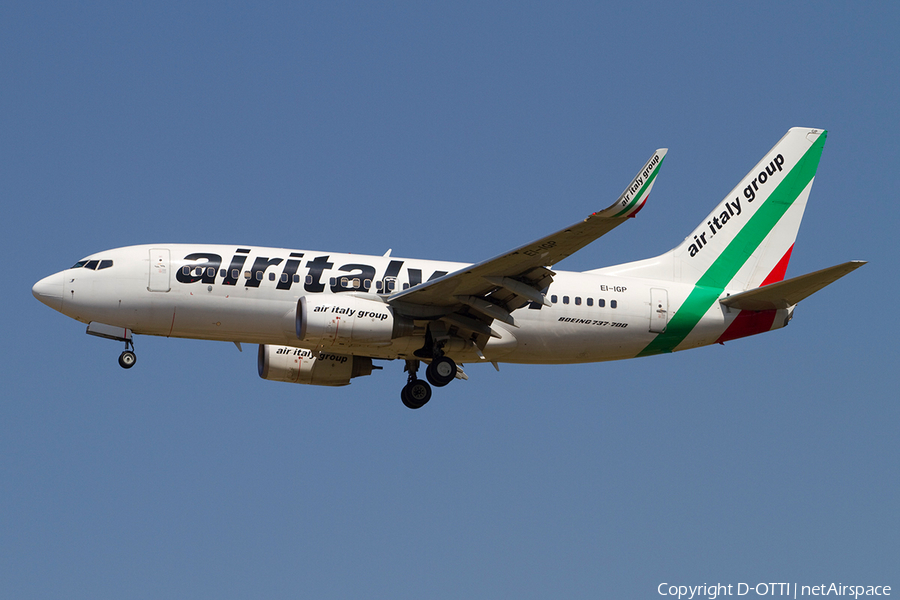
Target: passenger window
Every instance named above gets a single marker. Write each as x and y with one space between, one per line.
235 273
186 270
367 283
271 276
356 282
284 278
296 278
378 285
565 299
332 281
259 275
309 280
577 300
105 264
223 273
590 301
553 299
247 275
345 283
210 272
601 302
613 304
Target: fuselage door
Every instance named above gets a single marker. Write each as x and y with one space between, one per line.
659 310
159 270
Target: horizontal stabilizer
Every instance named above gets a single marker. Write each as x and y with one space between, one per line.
791 291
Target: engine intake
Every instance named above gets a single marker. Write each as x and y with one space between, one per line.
341 321
298 365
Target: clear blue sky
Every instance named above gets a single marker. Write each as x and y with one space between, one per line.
456 132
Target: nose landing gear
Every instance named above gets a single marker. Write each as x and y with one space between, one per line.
118 334
128 357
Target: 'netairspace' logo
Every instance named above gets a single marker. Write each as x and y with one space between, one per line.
792 590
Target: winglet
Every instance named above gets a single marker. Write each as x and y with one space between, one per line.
635 195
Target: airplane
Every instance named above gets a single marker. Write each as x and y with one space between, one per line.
322 318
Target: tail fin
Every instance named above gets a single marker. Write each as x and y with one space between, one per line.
746 241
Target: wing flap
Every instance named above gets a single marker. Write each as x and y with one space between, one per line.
789 292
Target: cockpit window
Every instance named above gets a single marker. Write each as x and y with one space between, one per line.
94 265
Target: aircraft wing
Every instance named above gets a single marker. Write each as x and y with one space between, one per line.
496 287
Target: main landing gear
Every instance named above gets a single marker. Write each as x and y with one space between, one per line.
416 393
441 371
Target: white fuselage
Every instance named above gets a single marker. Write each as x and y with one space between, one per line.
250 295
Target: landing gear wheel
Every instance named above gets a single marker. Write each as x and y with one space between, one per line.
127 359
441 371
415 394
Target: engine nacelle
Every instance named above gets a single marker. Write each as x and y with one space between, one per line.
334 321
298 365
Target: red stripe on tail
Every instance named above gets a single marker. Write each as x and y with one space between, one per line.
778 272
748 322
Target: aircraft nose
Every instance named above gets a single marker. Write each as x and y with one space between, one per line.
49 290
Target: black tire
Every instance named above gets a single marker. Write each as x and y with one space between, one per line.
127 359
415 394
441 371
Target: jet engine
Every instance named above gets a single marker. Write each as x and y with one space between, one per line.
335 321
298 365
